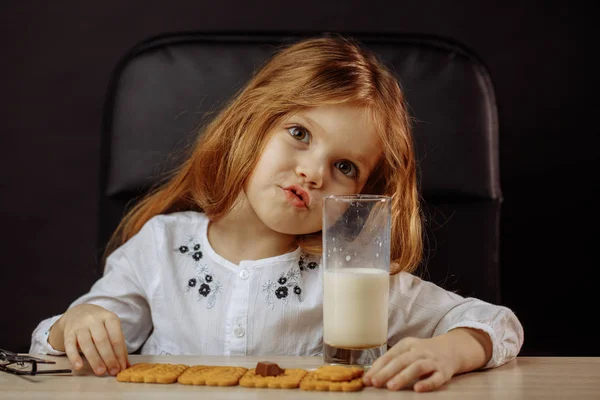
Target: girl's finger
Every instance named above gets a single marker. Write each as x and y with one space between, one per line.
393 368
72 351
88 348
412 373
431 383
117 339
104 348
400 347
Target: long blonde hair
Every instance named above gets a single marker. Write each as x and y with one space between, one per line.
312 72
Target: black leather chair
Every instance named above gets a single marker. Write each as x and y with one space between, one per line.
162 89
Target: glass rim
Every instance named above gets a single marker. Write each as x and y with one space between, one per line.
358 197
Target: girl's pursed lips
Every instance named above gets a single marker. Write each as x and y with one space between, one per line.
298 192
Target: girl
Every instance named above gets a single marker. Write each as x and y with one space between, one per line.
223 257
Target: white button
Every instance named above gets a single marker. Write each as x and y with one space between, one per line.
244 274
239 331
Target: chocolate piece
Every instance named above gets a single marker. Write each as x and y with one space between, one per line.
267 368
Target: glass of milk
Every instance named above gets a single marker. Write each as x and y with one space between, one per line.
356 267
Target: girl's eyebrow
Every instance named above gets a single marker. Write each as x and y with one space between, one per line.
362 160
307 121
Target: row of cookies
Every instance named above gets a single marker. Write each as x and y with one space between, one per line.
265 375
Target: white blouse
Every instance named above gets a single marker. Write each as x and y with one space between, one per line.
175 295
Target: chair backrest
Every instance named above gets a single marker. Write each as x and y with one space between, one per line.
162 89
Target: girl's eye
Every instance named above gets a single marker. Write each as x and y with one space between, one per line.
299 133
347 168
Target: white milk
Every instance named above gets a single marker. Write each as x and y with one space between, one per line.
355 307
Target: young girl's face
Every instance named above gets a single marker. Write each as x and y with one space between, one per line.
330 149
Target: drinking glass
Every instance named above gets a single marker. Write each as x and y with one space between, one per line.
356 266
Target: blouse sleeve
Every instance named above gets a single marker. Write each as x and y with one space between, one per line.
120 290
421 309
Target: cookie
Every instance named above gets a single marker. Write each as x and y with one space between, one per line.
289 379
338 373
152 373
312 382
212 375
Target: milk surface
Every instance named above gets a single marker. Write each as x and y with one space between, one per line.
355 307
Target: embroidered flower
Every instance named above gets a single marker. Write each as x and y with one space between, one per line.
205 281
281 292
190 248
302 264
287 283
208 289
204 290
268 287
293 274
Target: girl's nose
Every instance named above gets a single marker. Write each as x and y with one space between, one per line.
311 174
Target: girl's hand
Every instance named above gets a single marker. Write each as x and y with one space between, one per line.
429 363
410 360
97 333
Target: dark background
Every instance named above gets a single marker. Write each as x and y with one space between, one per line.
56 60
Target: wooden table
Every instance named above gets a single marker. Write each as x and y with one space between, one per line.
523 378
